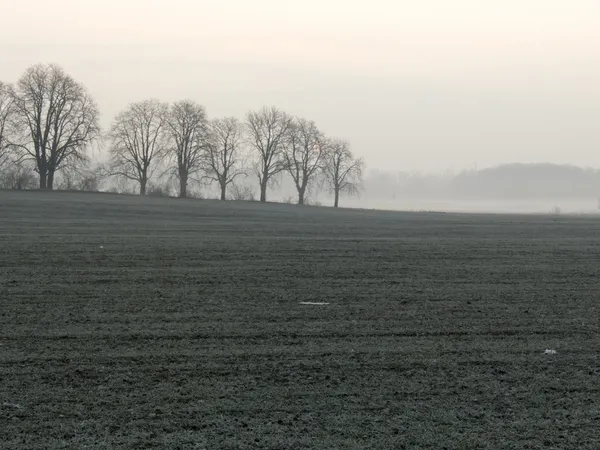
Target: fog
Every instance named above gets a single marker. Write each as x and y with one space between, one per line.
419 87
513 188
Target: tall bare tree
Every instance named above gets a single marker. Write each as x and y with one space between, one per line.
222 158
342 170
139 140
305 151
188 127
60 117
267 131
6 121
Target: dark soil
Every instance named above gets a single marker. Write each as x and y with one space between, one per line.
131 322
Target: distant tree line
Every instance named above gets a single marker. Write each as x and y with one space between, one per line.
507 181
49 123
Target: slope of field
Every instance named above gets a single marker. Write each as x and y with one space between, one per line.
131 322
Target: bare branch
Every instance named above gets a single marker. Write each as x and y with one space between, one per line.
7 123
139 139
59 117
222 157
188 129
343 172
304 153
267 130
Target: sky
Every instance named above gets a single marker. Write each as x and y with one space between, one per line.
428 85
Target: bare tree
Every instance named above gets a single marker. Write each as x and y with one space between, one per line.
188 128
267 131
139 139
304 153
222 157
6 121
60 117
343 172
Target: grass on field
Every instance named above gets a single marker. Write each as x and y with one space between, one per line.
131 322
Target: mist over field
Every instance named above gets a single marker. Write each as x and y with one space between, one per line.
263 224
511 188
526 188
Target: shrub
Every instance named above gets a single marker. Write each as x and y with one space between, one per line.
18 177
157 190
241 192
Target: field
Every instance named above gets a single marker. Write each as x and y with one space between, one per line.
131 322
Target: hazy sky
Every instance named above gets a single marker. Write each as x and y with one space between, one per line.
413 84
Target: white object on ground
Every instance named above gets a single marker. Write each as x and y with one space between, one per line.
550 352
314 303
11 405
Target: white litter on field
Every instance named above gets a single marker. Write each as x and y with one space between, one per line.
101 246
11 405
314 303
550 352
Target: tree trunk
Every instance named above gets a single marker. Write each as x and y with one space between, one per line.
263 192
143 183
223 191
301 192
182 186
43 179
50 181
337 198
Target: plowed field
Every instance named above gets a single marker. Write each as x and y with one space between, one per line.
131 322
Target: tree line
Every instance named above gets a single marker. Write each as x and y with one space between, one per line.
51 121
